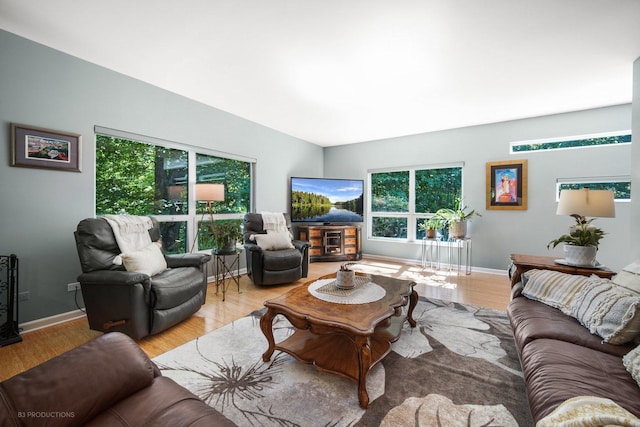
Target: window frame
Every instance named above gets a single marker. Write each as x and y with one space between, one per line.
192 217
585 181
411 215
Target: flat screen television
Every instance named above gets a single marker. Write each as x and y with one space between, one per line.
327 200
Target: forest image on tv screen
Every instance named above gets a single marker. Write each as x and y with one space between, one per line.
326 200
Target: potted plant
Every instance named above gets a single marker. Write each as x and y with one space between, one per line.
581 244
345 277
456 218
431 226
224 236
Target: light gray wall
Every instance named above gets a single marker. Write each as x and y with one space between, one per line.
41 208
635 161
498 233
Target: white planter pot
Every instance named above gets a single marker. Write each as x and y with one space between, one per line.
580 255
458 229
345 279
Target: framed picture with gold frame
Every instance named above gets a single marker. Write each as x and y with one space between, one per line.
507 185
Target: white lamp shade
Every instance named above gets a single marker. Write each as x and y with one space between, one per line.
210 192
175 192
585 202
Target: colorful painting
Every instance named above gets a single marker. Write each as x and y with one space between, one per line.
507 185
34 147
48 149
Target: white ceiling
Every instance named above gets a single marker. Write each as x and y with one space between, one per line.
342 71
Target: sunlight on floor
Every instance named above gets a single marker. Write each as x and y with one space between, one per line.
416 273
374 267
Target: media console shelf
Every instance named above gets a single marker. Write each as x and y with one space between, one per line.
332 242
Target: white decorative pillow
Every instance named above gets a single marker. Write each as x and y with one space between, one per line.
629 277
631 361
634 267
148 260
608 310
273 241
553 288
589 411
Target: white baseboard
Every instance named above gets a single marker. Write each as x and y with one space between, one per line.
417 262
45 322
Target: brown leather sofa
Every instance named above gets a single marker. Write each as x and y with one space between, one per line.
106 382
561 359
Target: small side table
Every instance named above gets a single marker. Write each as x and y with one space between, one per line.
521 263
227 270
461 246
429 246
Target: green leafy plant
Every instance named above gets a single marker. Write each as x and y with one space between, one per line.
346 265
580 234
223 233
433 223
458 213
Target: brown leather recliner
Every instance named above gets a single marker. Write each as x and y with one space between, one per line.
135 303
273 267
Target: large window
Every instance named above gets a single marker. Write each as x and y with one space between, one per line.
140 178
614 138
402 199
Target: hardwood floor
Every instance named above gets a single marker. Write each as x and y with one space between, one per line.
480 289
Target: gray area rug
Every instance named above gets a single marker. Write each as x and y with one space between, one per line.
458 367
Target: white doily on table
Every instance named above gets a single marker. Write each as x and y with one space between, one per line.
366 293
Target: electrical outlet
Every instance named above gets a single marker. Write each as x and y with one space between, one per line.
71 287
23 296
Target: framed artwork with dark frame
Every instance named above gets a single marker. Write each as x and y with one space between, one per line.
507 185
33 147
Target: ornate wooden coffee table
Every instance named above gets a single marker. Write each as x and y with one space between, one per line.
343 339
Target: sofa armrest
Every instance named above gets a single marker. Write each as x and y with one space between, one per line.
252 247
117 301
112 278
77 385
301 245
516 290
187 260
254 255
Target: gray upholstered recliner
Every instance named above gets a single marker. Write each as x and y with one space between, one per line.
273 267
135 303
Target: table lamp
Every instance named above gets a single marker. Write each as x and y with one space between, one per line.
586 202
581 244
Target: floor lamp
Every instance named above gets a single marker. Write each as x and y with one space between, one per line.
208 193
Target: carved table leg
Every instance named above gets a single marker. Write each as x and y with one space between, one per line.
266 324
363 346
413 300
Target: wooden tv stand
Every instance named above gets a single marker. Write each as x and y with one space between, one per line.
332 242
